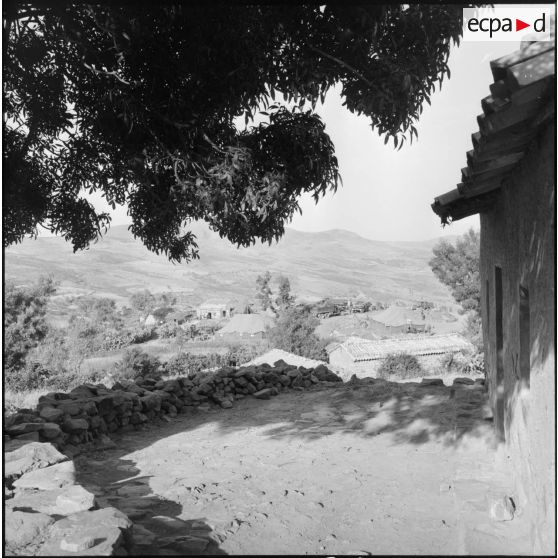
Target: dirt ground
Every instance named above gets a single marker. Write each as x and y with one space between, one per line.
367 468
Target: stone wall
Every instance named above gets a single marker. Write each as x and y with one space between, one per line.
518 235
46 511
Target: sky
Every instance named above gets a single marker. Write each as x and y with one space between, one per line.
386 194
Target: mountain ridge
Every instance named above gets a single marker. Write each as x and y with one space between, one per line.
328 263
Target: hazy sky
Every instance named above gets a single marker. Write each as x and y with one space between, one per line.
386 194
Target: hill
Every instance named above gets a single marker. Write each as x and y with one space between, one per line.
330 263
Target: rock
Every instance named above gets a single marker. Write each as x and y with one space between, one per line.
51 414
30 437
71 451
71 408
22 528
104 442
77 544
226 404
84 391
284 379
298 381
313 379
50 430
75 499
104 403
141 535
463 381
23 416
30 457
18 430
502 509
106 526
203 407
263 394
432 382
72 426
43 501
48 478
150 402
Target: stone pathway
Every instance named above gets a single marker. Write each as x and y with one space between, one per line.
379 468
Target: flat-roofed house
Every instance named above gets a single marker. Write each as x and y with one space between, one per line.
365 356
246 326
214 310
510 180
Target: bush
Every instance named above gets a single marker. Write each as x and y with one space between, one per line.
294 332
402 365
466 364
186 363
136 364
31 376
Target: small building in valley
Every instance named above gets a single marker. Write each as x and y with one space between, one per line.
365 356
244 326
510 180
399 319
214 310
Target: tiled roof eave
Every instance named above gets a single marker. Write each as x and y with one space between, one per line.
520 105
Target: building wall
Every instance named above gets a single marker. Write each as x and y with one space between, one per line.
518 235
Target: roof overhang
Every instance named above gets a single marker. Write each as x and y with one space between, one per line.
521 103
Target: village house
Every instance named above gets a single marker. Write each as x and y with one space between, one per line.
246 326
364 357
510 181
214 310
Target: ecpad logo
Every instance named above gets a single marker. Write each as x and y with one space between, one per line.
507 24
495 24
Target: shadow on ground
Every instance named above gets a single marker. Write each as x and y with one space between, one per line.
411 413
158 530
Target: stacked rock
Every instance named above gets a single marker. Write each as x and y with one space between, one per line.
88 412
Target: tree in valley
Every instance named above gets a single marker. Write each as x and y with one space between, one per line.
284 298
25 322
457 267
263 294
294 331
139 103
143 302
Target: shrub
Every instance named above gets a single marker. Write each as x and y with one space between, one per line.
463 363
136 364
31 376
402 365
294 332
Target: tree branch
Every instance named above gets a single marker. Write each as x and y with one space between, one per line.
341 63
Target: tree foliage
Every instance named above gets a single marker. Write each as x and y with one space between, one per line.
143 302
457 267
284 298
25 322
294 331
263 294
139 104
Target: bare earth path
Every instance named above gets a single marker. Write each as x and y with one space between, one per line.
379 468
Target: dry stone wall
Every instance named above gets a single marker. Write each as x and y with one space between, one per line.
46 511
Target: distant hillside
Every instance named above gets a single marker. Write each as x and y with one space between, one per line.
331 263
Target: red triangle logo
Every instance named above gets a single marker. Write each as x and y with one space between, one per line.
519 25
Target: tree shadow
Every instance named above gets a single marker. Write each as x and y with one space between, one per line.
158 528
410 413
